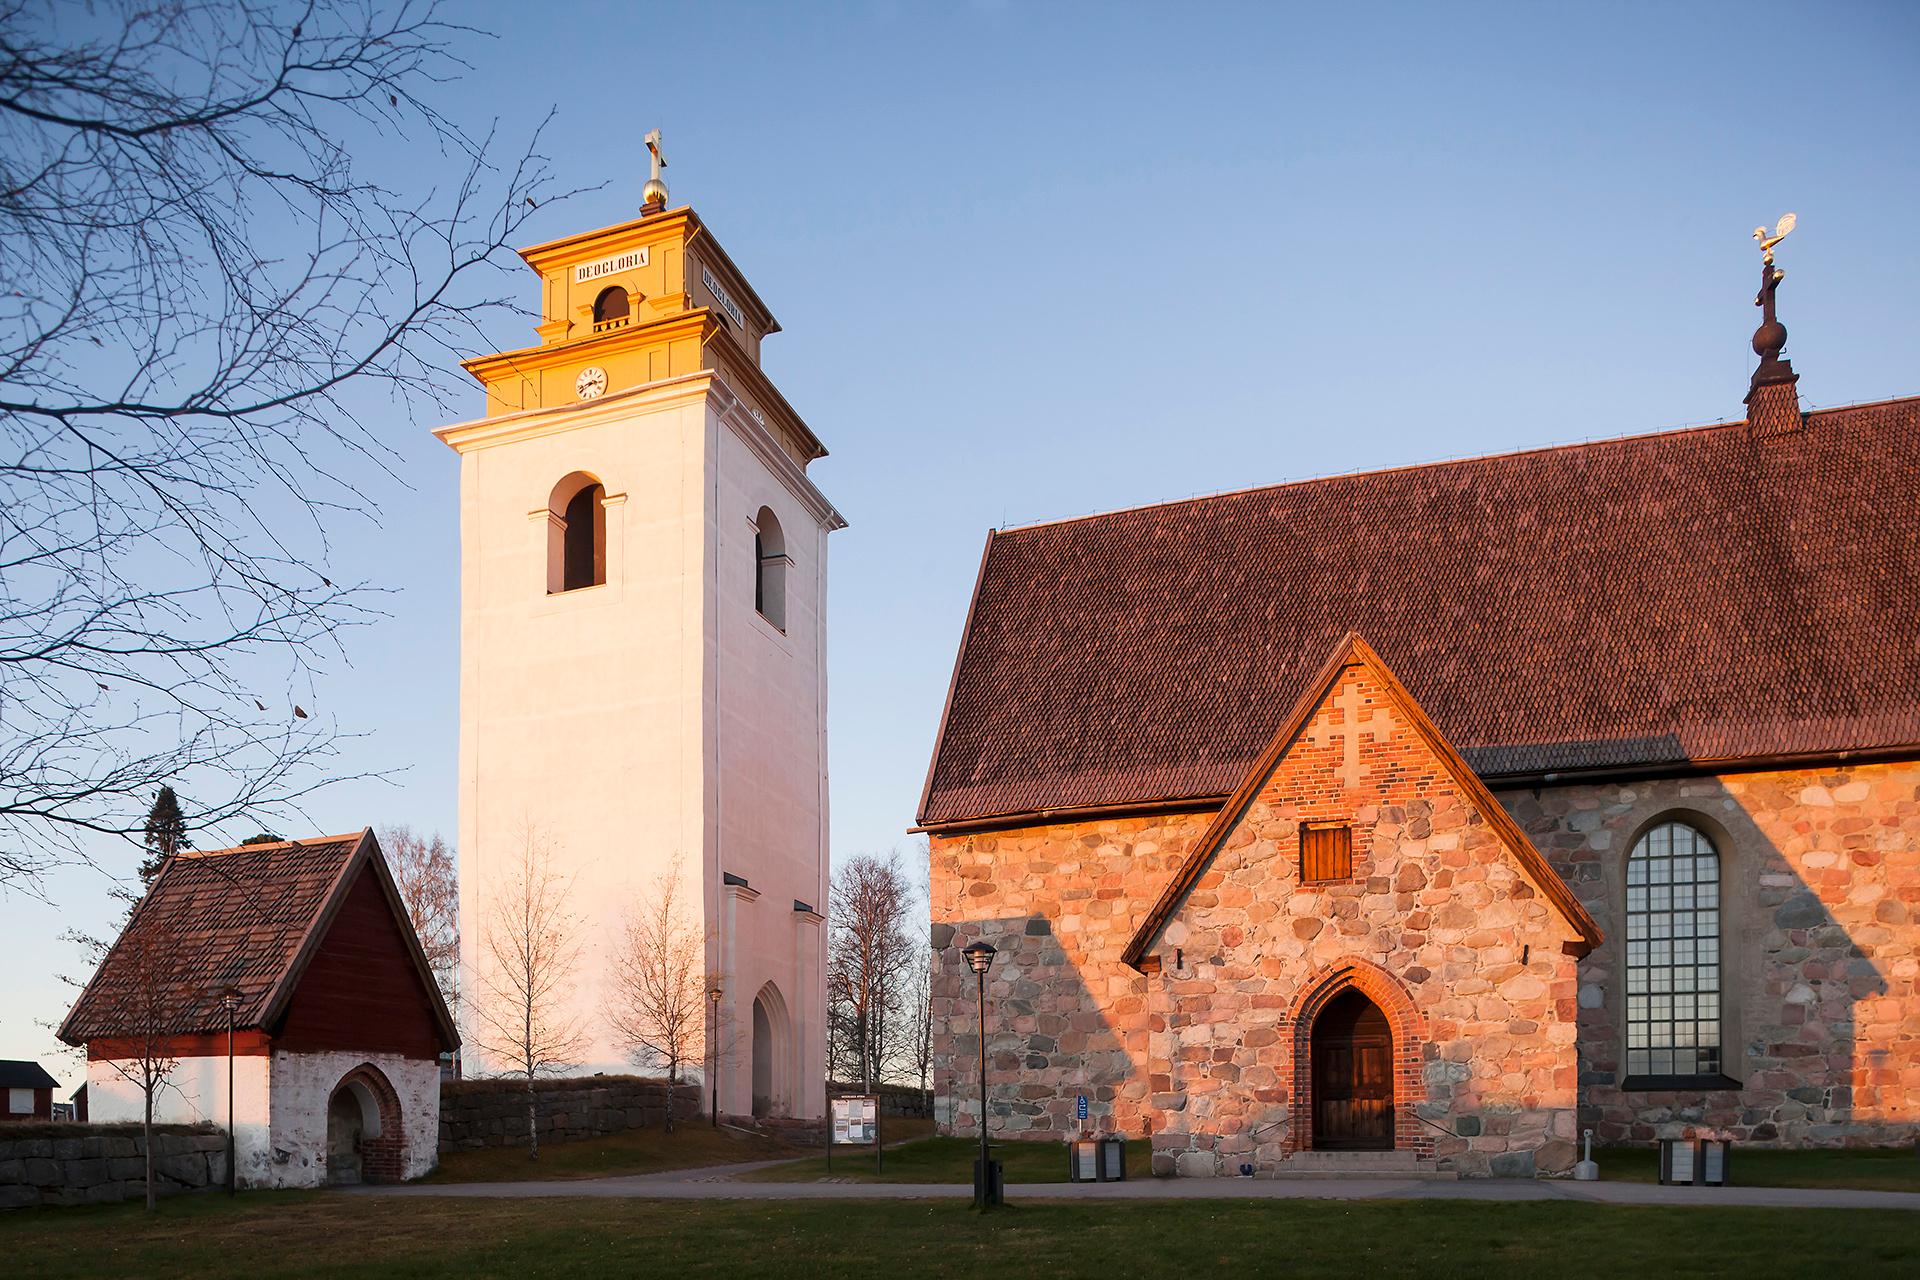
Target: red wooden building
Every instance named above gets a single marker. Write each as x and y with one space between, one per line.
29 1091
305 949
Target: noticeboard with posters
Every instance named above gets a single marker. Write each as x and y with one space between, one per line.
856 1123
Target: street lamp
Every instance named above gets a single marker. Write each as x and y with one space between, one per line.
229 999
713 1073
986 1174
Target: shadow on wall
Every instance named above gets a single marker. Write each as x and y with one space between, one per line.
1049 1039
1822 1047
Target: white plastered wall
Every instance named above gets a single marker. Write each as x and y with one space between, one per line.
280 1108
655 717
768 787
194 1092
302 1086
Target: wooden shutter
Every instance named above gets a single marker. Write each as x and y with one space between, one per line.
1326 851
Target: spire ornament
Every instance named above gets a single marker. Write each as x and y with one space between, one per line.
1771 337
653 196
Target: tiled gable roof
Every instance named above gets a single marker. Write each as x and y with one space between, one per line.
1696 595
247 918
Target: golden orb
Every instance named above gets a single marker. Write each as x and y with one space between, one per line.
655 192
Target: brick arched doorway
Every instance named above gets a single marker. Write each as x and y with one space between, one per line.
1370 1027
365 1140
1352 1049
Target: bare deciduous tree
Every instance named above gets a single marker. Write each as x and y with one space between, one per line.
530 954
657 1005
210 309
868 956
429 883
919 1004
146 997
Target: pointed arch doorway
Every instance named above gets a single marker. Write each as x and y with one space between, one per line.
1352 1048
772 1054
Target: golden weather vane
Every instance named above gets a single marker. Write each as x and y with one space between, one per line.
1780 232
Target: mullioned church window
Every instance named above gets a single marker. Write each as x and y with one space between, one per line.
1673 954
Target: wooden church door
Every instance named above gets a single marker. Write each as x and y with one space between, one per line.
1352 1076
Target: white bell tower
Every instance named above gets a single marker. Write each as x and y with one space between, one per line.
643 640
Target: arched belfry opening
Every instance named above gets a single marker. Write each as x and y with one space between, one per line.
576 534
770 565
612 309
772 1054
1352 1075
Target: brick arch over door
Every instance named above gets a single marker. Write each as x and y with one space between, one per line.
383 1143
1409 1050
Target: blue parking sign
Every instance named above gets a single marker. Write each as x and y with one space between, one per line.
1080 1107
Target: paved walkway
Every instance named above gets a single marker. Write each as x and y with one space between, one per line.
715 1183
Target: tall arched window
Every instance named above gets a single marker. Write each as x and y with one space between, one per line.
770 561
576 534
612 304
1673 954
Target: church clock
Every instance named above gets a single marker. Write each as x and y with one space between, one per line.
591 384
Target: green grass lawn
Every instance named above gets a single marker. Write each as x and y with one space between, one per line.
264 1236
1866 1168
691 1144
946 1160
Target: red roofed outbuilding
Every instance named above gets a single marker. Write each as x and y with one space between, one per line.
337 1023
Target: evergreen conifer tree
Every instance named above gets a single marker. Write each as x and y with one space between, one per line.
166 833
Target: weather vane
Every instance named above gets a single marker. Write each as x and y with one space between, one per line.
1771 336
1780 231
653 196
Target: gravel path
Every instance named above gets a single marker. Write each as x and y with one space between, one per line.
716 1183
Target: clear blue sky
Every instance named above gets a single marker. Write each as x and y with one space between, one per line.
1356 236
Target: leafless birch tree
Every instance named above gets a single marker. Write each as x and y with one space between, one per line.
424 872
868 953
530 955
657 1006
213 305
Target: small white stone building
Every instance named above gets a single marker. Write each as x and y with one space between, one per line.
337 1026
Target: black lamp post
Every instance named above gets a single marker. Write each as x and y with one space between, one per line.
713 1074
986 1174
229 998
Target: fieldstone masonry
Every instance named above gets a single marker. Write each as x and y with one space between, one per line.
74 1164
1820 873
493 1113
1506 1043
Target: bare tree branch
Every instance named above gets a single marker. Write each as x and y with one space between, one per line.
210 316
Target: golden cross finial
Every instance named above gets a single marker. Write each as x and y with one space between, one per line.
655 154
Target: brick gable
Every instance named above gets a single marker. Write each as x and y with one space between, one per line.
1357 749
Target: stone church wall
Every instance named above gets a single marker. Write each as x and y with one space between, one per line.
1820 873
1437 925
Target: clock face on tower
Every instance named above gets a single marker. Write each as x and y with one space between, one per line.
591 383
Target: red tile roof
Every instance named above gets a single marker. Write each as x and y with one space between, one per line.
248 918
1696 595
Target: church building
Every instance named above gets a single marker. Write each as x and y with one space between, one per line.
1442 812
643 647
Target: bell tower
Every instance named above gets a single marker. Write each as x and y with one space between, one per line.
643 641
